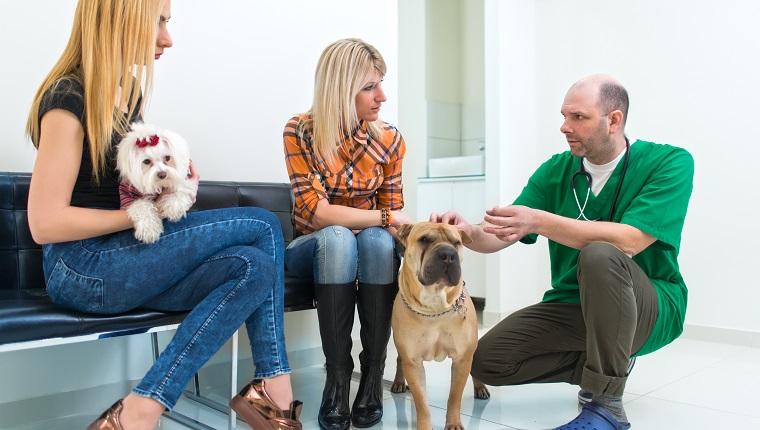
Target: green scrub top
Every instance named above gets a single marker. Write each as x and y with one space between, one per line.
653 198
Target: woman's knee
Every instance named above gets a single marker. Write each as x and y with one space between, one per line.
376 256
336 255
336 240
267 217
376 238
252 264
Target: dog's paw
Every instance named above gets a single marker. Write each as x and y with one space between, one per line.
173 213
147 235
174 206
399 387
481 391
147 223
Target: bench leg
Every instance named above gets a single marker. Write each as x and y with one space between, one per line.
197 397
213 404
233 379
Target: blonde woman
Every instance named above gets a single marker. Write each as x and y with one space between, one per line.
224 265
344 165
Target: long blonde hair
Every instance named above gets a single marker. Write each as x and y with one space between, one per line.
111 42
345 67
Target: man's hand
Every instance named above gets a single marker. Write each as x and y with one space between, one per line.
510 223
454 219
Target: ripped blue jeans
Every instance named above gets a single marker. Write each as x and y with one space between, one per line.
335 255
224 265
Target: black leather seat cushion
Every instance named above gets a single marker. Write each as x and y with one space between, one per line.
27 315
26 312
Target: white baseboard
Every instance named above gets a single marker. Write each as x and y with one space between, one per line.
691 331
491 318
721 335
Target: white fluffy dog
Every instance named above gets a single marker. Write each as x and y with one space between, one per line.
152 161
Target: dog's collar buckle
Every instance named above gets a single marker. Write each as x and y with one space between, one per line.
459 304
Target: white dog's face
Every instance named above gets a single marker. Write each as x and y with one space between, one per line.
152 159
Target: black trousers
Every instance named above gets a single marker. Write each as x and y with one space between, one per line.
588 344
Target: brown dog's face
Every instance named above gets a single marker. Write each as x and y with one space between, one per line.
433 252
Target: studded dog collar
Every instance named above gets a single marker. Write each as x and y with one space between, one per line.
457 307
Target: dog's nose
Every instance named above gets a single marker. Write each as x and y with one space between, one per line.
448 255
161 175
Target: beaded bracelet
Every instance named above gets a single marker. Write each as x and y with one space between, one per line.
385 218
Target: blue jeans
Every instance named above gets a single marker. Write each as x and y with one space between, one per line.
224 265
335 255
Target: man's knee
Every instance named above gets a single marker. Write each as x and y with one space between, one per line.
597 253
478 367
491 367
601 265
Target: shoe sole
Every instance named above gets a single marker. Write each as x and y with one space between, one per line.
248 413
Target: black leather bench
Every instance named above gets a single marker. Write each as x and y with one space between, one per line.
28 319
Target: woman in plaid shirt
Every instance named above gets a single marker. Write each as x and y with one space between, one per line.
344 165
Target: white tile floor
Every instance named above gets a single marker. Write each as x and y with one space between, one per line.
690 384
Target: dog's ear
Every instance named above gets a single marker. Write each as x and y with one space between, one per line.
128 159
465 237
403 232
179 148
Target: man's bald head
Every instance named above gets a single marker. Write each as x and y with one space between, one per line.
610 93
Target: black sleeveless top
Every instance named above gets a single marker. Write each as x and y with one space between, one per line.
68 94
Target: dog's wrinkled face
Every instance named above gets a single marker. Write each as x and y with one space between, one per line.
152 159
433 252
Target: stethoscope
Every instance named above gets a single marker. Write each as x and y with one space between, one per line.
582 171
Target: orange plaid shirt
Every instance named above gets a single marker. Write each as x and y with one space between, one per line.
365 174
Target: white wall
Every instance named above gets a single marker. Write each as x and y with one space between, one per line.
237 72
516 277
691 69
473 73
412 122
454 77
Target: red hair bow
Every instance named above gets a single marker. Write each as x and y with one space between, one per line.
149 141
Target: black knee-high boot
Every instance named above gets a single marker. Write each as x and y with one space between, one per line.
335 311
375 303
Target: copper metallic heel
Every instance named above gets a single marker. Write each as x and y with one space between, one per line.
108 420
254 405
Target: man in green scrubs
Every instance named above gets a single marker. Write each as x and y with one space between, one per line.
614 230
